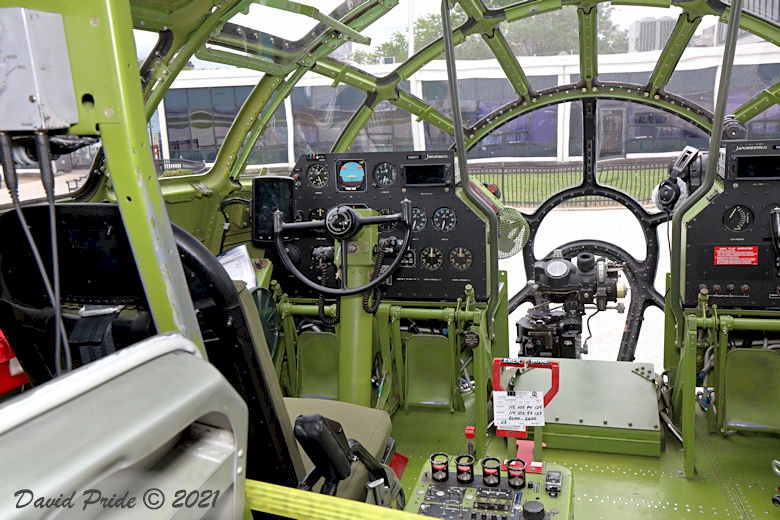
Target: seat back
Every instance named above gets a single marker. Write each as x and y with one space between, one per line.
243 358
97 266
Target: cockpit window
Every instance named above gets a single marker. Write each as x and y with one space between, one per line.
276 35
546 34
320 112
519 104
387 130
197 120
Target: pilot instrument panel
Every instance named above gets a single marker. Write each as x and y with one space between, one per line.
448 246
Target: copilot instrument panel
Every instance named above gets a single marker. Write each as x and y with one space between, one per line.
447 249
732 245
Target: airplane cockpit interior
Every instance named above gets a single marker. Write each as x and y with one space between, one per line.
467 260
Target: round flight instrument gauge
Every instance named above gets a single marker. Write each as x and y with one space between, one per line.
318 176
390 226
444 219
738 218
461 258
317 214
299 216
431 258
419 220
385 174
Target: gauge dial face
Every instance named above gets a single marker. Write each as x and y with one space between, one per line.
317 175
409 259
444 219
419 220
351 175
461 258
299 216
738 218
390 226
317 214
385 174
431 258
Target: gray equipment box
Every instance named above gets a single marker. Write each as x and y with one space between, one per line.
36 85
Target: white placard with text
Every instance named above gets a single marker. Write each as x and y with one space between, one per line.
518 410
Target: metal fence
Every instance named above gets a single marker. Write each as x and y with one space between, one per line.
530 184
178 167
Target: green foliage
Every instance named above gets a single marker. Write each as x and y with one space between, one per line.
546 34
557 32
528 187
397 47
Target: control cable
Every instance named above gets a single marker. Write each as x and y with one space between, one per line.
380 258
328 321
226 225
12 184
47 179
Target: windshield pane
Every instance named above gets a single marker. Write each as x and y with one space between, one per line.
320 113
197 120
630 128
767 9
530 135
388 129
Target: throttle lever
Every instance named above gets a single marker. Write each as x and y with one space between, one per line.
774 226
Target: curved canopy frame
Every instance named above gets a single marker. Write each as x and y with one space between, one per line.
210 36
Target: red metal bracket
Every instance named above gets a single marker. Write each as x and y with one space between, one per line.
499 363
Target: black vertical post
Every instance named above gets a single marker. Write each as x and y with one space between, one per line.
590 145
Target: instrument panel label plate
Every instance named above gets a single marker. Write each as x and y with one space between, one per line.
736 255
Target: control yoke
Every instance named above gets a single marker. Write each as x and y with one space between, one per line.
342 223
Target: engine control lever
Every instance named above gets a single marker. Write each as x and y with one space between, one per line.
774 225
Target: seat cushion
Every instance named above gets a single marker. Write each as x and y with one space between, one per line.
368 426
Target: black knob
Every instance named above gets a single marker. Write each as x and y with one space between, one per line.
533 510
586 261
730 288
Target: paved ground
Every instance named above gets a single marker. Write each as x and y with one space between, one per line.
30 186
621 228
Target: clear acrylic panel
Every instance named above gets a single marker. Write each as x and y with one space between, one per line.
320 113
388 129
629 128
534 134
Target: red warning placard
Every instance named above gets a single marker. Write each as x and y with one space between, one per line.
736 255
